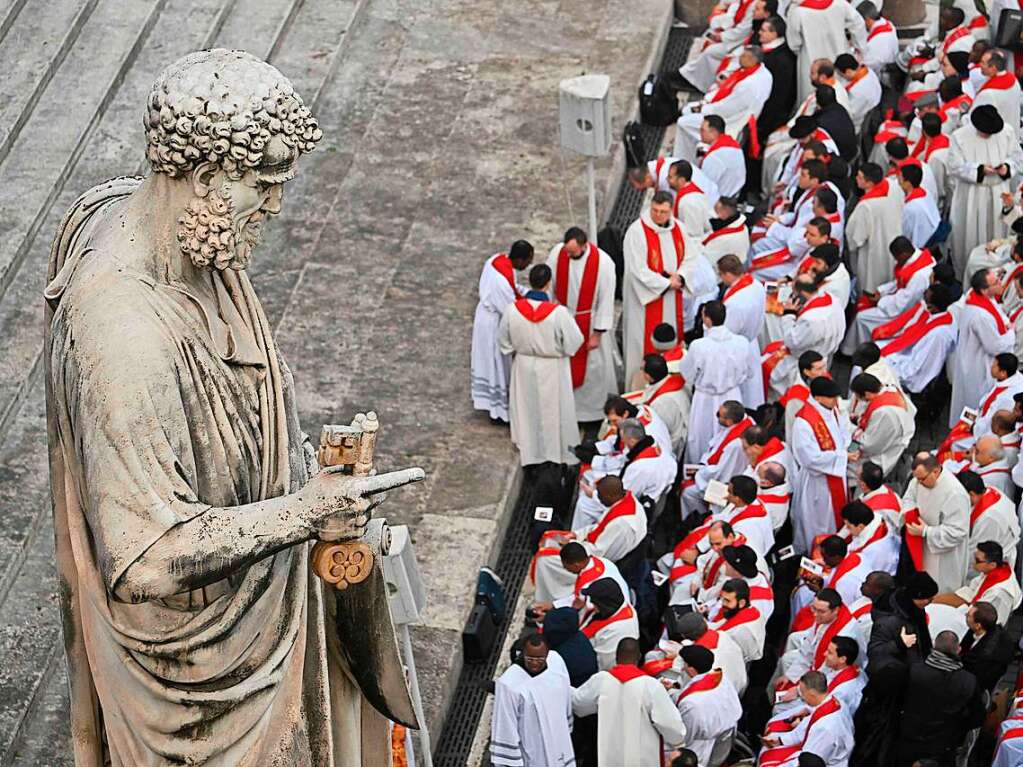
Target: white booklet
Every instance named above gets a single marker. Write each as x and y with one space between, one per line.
716 493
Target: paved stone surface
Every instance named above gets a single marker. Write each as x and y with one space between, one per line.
441 147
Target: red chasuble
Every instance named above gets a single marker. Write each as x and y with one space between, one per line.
836 485
655 263
584 305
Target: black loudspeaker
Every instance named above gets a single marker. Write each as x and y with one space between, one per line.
1010 30
479 634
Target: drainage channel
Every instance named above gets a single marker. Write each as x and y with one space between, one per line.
463 717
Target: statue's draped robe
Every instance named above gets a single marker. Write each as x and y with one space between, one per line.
157 413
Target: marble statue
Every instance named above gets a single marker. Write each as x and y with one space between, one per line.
186 498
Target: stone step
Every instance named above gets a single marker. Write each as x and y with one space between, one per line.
35 46
46 735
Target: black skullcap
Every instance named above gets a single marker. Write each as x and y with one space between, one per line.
698 657
742 558
986 119
921 586
664 333
823 386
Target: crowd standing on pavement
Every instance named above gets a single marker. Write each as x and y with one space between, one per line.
762 561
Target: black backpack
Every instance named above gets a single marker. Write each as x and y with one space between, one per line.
658 104
635 147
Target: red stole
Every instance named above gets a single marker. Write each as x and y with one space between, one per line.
845 675
961 430
804 618
1001 573
736 228
626 507
623 613
740 12
959 103
710 574
584 305
899 323
928 145
816 5
918 330
709 681
983 302
535 314
878 191
709 639
593 571
689 188
774 445
779 755
798 391
819 302
886 501
743 282
857 76
844 617
724 90
504 267
879 535
917 194
732 434
745 615
771 258
924 260
671 384
889 398
957 34
990 497
689 542
915 543
989 400
655 263
626 673
1003 81
879 28
773 353
836 485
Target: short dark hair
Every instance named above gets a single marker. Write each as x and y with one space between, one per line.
828 200
992 551
661 198
715 312
575 233
866 354
737 586
846 647
655 366
1008 362
897 148
914 174
830 596
865 383
536 639
683 168
872 172
744 487
521 250
834 546
901 245
777 22
931 124
845 62
717 122
986 615
857 513
817 169
809 358
979 279
685 758
619 406
872 475
573 552
821 224
997 60
971 481
539 276
756 435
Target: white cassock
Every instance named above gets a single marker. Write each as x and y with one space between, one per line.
532 719
945 510
844 684
920 217
658 168
556 584
864 91
999 588
819 326
874 223
744 315
1003 93
746 628
672 402
737 99
822 34
710 710
753 523
997 474
543 421
820 480
984 332
827 733
716 366
776 500
694 211
491 368
734 26
596 313
727 657
647 299
935 156
976 205
845 578
1009 752
920 360
906 290
731 239
1001 396
885 430
605 634
638 706
724 163
877 545
994 518
882 46
804 650
723 459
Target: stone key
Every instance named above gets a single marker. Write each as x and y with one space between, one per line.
349 450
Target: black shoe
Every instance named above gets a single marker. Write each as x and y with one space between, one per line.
675 82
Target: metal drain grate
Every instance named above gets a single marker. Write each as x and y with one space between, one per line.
463 717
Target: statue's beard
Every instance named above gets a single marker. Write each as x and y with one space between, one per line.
208 235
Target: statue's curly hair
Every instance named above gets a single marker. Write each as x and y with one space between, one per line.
224 107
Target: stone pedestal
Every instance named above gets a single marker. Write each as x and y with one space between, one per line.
903 13
694 12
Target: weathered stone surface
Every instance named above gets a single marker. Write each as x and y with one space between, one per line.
440 147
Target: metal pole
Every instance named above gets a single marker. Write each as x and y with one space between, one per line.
424 732
591 182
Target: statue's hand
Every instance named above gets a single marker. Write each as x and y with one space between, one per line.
340 504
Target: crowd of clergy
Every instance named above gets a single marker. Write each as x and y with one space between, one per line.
762 559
